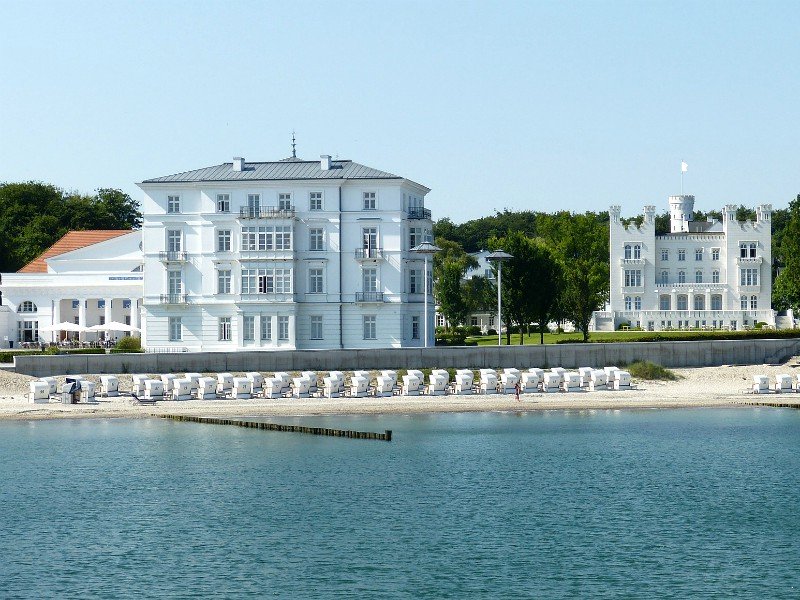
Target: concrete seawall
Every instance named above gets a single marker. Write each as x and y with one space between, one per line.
669 354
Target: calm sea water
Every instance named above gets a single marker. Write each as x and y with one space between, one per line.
649 504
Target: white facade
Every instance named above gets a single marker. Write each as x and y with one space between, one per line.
700 275
91 285
284 255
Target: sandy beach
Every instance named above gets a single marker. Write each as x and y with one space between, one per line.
723 386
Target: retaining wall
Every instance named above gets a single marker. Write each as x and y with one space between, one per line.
669 354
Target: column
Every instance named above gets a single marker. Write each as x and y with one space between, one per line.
238 323
81 316
292 336
107 315
56 317
134 315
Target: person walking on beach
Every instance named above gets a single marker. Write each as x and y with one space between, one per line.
517 390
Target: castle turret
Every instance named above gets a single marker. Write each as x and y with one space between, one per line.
681 211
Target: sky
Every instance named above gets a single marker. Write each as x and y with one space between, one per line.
493 105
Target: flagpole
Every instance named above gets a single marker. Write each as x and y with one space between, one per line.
681 177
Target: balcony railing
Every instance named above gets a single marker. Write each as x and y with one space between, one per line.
265 212
174 299
631 261
754 260
369 253
417 212
369 296
172 256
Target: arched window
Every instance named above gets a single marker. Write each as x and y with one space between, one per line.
637 251
715 276
716 302
627 251
664 302
683 302
664 277
698 277
699 302
27 307
743 302
753 302
637 303
627 303
681 276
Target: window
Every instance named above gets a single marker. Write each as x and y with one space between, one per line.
28 331
102 320
664 277
283 328
315 281
628 303
224 329
29 307
681 276
627 251
637 251
316 327
223 203
370 279
698 277
473 321
414 236
174 282
266 328
127 319
76 304
223 281
173 204
747 250
748 277
126 304
224 240
315 239
637 303
249 238
414 282
369 238
716 302
266 281
174 240
664 302
664 254
743 302
715 276
315 201
284 201
439 320
715 254
683 302
101 304
370 331
369 200
699 302
633 278
175 329
415 326
698 254
681 254
249 327
283 237
253 204
753 302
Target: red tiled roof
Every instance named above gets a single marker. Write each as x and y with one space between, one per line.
72 240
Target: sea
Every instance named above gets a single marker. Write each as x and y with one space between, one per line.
688 503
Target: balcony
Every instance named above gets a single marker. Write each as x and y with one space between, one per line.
366 297
417 212
631 261
171 256
756 260
174 299
265 212
369 253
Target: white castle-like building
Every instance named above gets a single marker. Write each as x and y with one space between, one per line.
702 274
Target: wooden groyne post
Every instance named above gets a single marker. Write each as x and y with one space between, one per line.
386 436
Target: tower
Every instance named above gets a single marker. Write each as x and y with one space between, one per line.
681 211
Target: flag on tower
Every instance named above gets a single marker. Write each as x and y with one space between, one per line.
684 167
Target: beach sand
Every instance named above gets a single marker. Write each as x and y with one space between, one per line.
723 386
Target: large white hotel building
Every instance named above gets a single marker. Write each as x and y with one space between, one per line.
702 274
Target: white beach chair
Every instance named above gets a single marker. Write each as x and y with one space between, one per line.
358 387
418 374
256 381
610 373
571 381
513 371
52 385
464 381
529 383
391 374
182 389
597 381
538 372
384 385
206 388
87 390
481 372
40 392
312 381
224 383
760 384
167 379
551 382
331 387
109 386
586 375
301 387
508 382
622 380
194 378
560 372
242 388
137 389
286 380
273 387
153 389
443 372
410 385
488 383
783 384
437 385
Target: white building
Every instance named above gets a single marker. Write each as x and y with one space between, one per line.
287 254
86 278
703 274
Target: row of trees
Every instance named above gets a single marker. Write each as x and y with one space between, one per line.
558 274
34 215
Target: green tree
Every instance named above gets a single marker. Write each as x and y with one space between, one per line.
480 294
449 267
786 290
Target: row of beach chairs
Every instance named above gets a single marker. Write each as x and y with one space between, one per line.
784 384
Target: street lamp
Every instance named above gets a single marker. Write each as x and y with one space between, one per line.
426 249
498 256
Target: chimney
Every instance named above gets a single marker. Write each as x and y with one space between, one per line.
325 162
238 163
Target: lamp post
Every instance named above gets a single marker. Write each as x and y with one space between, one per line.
498 257
426 249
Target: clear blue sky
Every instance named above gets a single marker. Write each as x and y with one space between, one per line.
530 105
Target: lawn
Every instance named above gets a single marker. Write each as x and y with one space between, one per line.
609 336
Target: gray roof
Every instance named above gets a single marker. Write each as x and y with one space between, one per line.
286 169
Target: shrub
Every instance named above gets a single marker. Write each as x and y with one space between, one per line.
129 343
84 351
124 351
492 332
651 371
623 324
